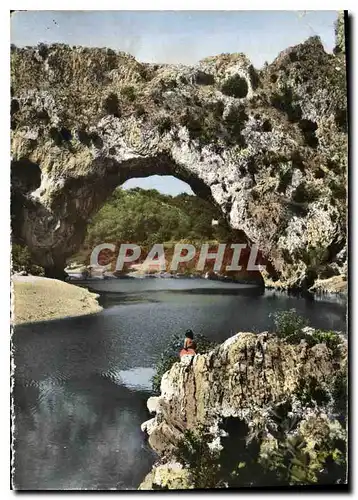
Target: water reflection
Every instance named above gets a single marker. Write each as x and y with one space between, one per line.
80 435
80 392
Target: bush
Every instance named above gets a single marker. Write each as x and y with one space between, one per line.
164 124
305 193
171 355
235 122
313 257
295 465
235 86
111 105
22 262
288 323
289 326
248 459
340 393
331 339
139 111
285 101
234 464
194 453
129 93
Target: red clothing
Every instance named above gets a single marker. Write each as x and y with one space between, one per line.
187 352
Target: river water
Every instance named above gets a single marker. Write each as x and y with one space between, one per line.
81 384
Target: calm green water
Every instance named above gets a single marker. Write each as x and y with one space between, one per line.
81 384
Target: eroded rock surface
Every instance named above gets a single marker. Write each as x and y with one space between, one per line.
249 377
268 147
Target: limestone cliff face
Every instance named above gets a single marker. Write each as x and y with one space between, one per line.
268 147
247 377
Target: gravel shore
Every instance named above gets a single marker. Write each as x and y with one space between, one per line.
39 299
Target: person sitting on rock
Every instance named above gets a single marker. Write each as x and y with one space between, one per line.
189 342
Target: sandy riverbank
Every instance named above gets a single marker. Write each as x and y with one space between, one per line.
38 299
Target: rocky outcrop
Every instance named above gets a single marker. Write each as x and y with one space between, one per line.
170 476
248 378
268 147
335 284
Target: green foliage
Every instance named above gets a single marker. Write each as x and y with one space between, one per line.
129 92
309 391
294 465
288 323
193 453
339 34
340 392
235 86
286 101
338 188
171 355
305 193
166 361
243 461
331 339
290 461
313 257
231 466
163 123
295 458
146 217
235 122
285 179
111 105
22 261
203 123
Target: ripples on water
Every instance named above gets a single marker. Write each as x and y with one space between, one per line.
81 384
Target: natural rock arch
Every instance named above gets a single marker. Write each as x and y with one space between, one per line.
268 147
81 199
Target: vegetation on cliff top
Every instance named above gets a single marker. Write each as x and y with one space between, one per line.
292 327
291 449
